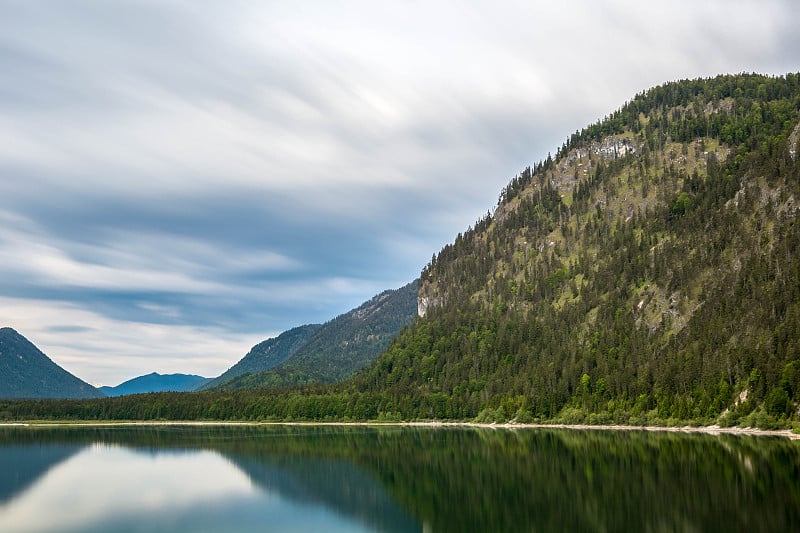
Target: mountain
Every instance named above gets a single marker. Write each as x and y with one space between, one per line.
155 382
267 354
650 270
332 351
25 372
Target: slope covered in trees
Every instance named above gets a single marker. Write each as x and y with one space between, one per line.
267 354
26 372
649 272
326 353
649 269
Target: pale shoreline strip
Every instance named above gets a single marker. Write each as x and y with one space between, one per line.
710 430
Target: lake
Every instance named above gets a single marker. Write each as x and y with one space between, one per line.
393 479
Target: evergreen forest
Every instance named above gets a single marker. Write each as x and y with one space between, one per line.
647 273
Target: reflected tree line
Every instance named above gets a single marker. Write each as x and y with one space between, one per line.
482 479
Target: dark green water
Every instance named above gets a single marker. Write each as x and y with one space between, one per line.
393 479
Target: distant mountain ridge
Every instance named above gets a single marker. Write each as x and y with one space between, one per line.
268 354
329 352
26 372
155 382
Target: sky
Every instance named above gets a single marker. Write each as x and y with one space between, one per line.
180 180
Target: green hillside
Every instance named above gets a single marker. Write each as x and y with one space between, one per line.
649 272
335 350
25 372
266 355
649 269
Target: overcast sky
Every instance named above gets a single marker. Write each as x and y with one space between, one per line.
182 179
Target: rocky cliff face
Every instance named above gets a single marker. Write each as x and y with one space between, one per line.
570 170
794 142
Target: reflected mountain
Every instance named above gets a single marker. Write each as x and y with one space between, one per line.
407 479
21 465
336 484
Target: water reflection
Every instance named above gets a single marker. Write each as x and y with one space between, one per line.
173 480
21 465
393 479
105 485
335 484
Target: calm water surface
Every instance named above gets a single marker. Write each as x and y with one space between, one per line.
392 479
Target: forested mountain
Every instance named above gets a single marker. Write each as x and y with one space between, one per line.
329 352
267 354
155 382
25 372
651 268
649 272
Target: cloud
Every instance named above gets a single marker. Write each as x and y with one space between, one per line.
126 261
105 351
237 170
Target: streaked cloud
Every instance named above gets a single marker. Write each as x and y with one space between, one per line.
95 347
179 180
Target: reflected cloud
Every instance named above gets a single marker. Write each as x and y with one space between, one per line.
111 487
22 465
105 483
326 478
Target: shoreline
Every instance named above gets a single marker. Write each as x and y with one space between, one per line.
708 430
